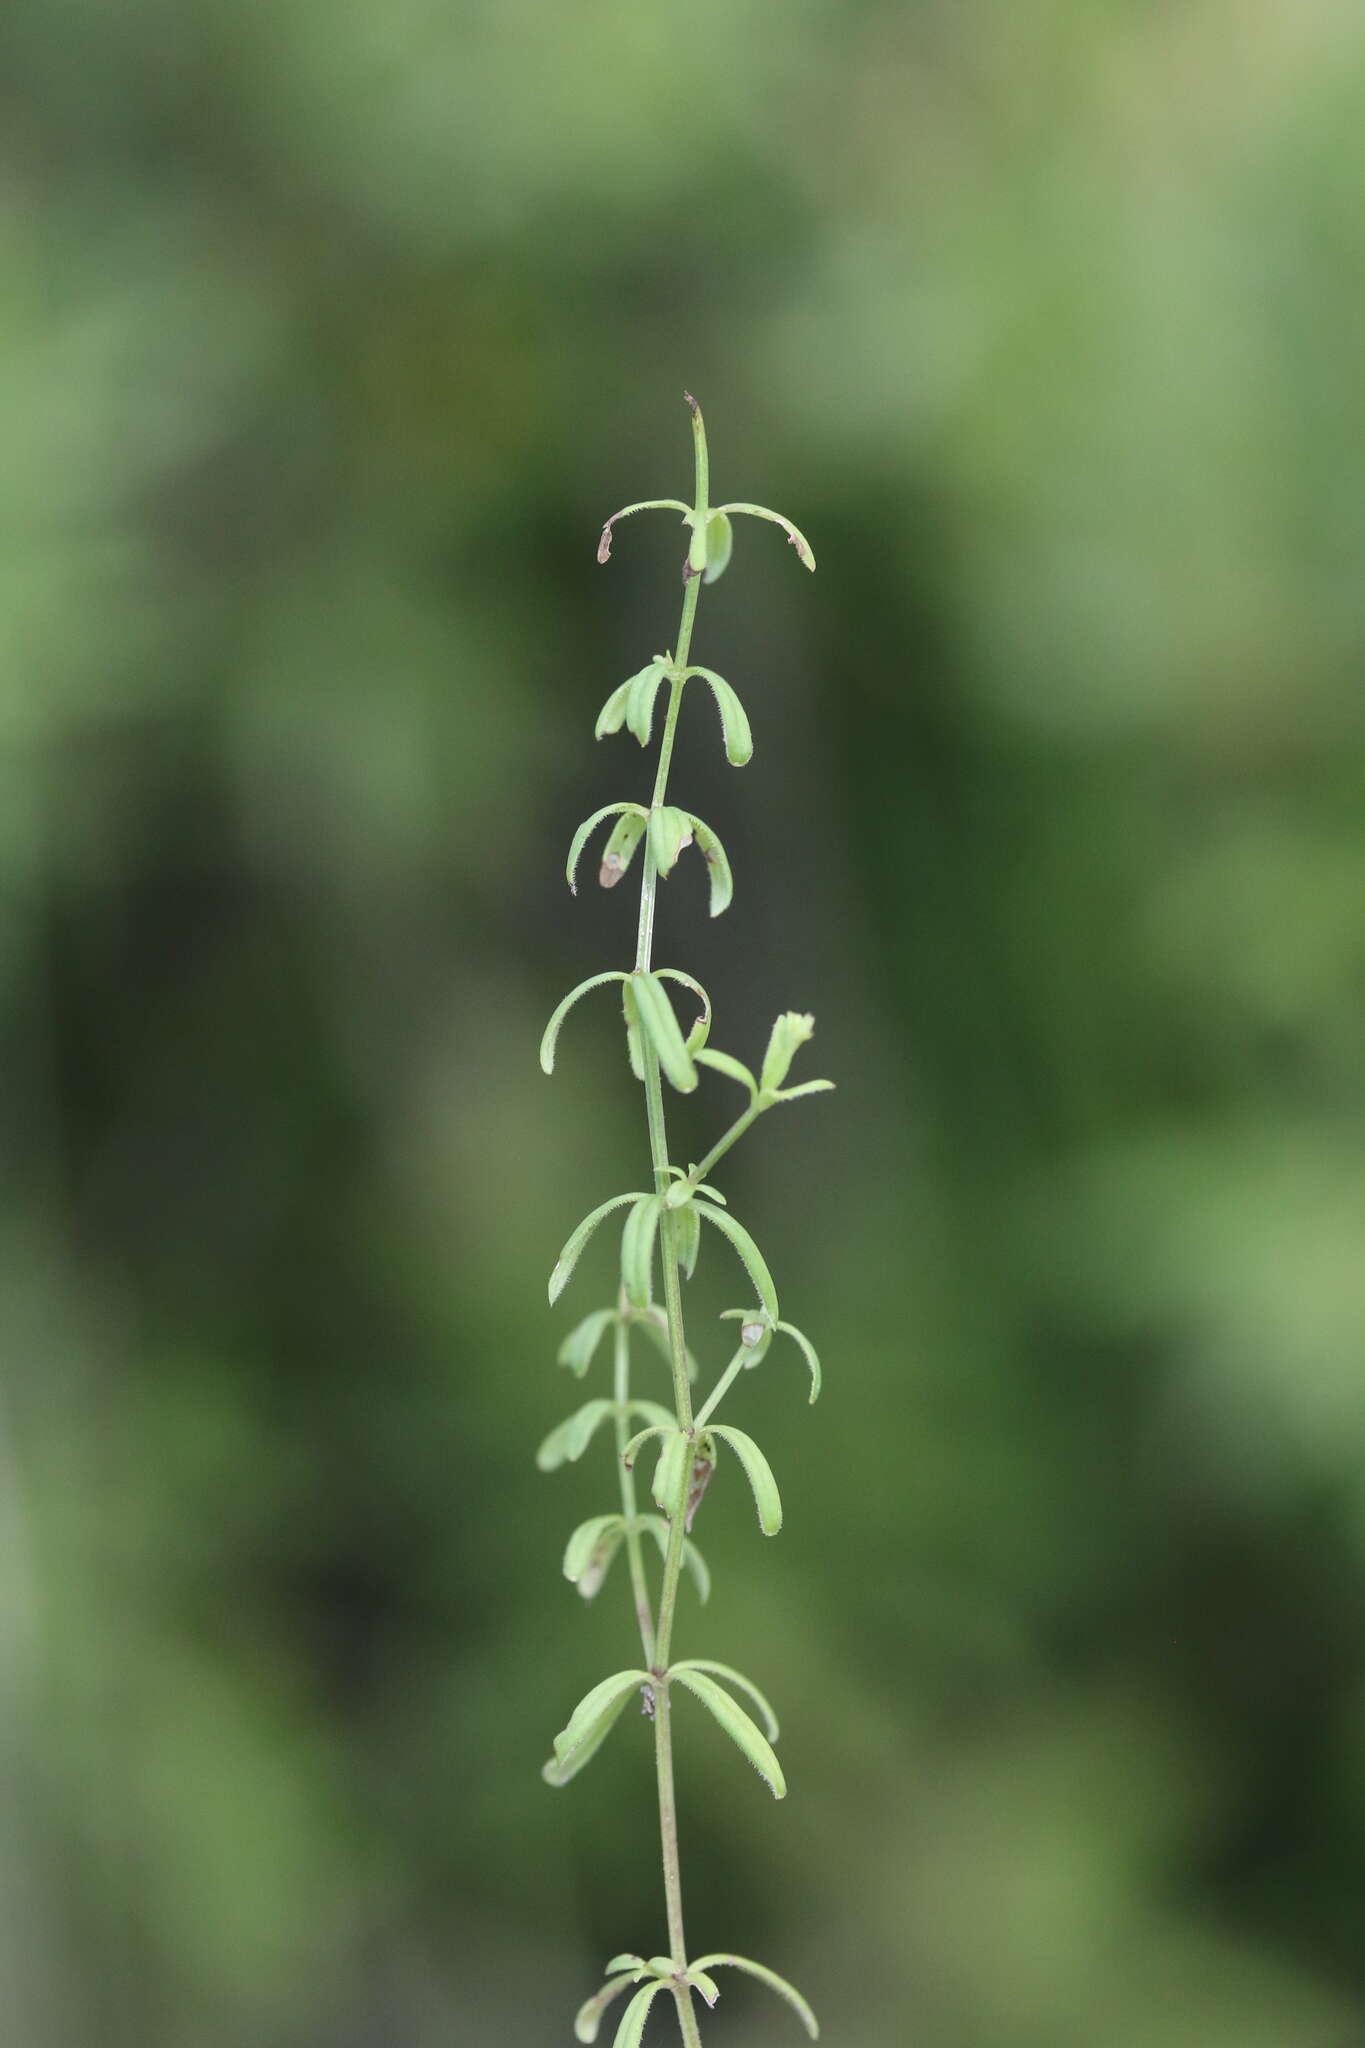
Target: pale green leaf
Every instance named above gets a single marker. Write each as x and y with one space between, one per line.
725 1063
623 1962
573 1249
632 2027
745 1733
670 830
748 1251
634 814
759 1473
634 1040
793 533
686 1227
619 850
697 1036
707 1986
733 1677
672 1471
772 1980
580 1346
788 1035
586 1539
717 865
612 716
589 2016
549 1041
720 540
804 1088
734 723
645 505
567 1442
790 1330
637 1250
632 1449
644 688
660 1027
603 1703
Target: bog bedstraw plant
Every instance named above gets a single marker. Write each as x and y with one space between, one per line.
660 1241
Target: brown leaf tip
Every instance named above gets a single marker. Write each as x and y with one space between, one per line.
690 400
604 545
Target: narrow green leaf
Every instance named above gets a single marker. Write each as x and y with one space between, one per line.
586 1538
589 2016
760 1475
692 1557
697 1036
707 1986
644 688
635 813
734 723
687 1237
645 505
772 1980
742 1731
696 551
612 716
788 1035
632 1449
567 1442
634 1041
670 830
717 865
671 1472
793 533
804 1088
660 1026
725 1063
619 850
603 1702
748 1252
549 1041
790 1330
580 1346
733 1677
573 1250
637 1250
720 540
662 1966
632 2027
623 1962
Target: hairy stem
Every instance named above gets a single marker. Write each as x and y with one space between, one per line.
722 1145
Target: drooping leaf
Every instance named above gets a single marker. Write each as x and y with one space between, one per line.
720 540
748 1251
660 1026
793 533
580 1346
692 1557
697 1036
623 1962
707 1986
633 1448
686 1228
589 2016
790 1330
635 814
634 1039
645 505
670 830
644 688
804 1088
573 1249
598 1707
549 1041
586 1538
619 850
733 1677
745 1733
670 1473
567 1442
725 1063
612 716
788 1035
717 865
772 1980
734 723
632 2027
637 1250
759 1473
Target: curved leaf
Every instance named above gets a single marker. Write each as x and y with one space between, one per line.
645 505
655 1414
707 1986
734 723
790 1330
793 533
601 1705
717 865
587 1538
632 2026
573 1249
633 1448
759 1473
692 1557
589 2015
634 1042
686 1228
580 1346
697 1036
589 826
567 1442
670 830
772 1980
612 716
749 1252
720 541
741 1730
548 1042
725 1063
671 1471
660 1027
624 1962
734 1677
644 688
619 850
637 1250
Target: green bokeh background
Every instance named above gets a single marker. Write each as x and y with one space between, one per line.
329 333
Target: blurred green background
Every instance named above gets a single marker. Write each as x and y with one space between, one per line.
328 336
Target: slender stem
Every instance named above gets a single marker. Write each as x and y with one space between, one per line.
722 1145
644 1613
723 1385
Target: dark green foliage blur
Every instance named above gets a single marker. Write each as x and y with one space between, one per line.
329 334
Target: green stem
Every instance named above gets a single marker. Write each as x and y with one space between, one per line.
723 1386
722 1145
639 1584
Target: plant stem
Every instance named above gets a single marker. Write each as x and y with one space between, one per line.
723 1385
722 1145
644 1614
